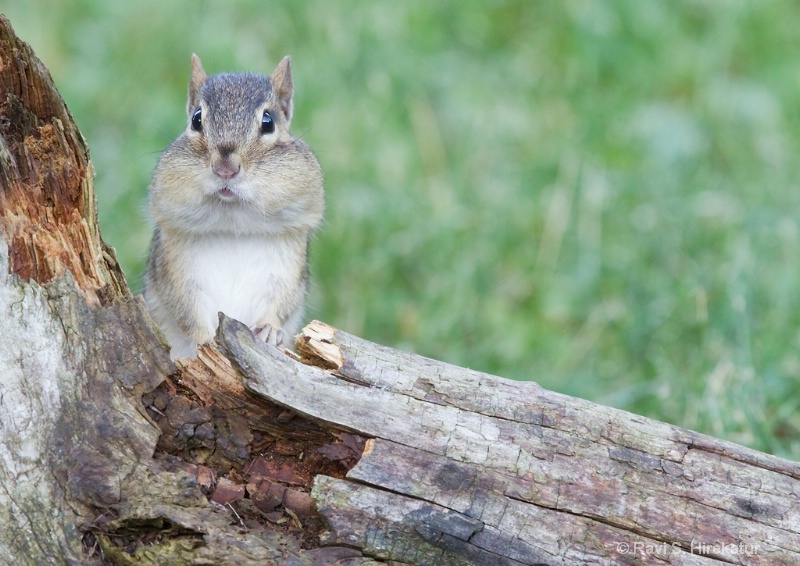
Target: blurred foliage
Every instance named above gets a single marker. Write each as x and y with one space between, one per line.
599 196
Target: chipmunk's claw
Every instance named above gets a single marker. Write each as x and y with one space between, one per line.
270 335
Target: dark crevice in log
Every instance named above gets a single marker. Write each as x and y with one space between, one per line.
744 456
246 453
237 423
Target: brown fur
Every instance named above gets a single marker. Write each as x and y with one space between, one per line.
234 209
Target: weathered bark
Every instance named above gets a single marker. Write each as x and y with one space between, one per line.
109 453
467 467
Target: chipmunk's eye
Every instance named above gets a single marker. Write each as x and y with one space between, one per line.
267 123
197 121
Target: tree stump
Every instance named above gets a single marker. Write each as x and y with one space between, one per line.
348 452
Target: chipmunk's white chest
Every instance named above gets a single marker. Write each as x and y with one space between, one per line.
242 276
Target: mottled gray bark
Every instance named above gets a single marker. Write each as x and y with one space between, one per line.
465 467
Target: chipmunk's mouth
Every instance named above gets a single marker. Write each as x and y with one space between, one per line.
226 194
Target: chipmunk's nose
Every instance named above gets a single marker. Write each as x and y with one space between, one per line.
227 166
226 170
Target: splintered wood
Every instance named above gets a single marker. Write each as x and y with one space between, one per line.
47 208
316 344
470 468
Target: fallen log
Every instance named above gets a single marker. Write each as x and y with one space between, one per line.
463 465
348 452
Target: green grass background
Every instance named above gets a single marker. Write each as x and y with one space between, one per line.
602 197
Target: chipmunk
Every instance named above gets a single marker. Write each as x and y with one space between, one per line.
235 199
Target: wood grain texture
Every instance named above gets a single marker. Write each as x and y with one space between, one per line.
538 477
49 215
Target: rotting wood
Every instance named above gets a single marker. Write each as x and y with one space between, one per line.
49 216
204 410
520 473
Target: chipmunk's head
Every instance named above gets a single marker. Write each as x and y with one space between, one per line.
236 117
236 165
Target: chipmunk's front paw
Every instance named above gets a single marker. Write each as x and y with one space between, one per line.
270 335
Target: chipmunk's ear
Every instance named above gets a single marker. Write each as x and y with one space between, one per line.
281 81
199 77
